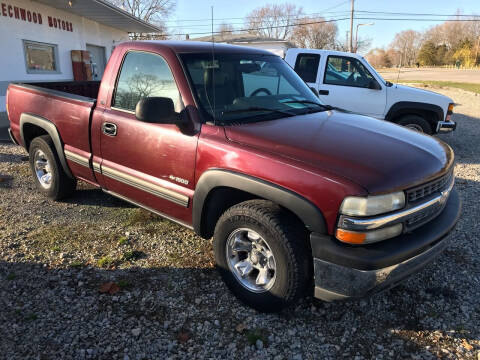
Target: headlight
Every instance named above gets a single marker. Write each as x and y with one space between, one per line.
372 205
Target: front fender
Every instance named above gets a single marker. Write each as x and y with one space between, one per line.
301 207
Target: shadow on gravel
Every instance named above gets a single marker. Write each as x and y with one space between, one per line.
13 158
465 139
95 197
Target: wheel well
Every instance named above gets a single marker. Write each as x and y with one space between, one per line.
219 200
428 115
30 132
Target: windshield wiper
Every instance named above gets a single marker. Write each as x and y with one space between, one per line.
326 107
257 108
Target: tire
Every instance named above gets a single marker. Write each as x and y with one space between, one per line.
284 237
47 170
416 123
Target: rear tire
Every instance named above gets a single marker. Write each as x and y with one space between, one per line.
271 267
47 170
416 123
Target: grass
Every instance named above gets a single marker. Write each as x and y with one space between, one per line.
141 217
76 264
105 262
459 85
11 276
122 240
132 255
256 334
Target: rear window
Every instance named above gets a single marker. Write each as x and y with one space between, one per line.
306 66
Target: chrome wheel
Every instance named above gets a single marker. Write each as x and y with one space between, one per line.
251 260
415 127
42 169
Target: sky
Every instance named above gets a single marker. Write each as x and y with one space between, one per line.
381 33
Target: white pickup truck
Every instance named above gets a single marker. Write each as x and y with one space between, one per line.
348 81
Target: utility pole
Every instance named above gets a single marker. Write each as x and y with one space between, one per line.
351 28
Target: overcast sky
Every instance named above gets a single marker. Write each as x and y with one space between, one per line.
381 33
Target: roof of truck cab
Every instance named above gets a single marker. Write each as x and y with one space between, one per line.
196 47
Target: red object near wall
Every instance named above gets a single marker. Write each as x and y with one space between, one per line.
82 70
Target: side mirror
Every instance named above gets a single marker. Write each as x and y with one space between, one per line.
374 85
157 110
314 91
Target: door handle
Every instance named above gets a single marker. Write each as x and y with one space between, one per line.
109 129
323 92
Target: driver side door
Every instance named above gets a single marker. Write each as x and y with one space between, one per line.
347 81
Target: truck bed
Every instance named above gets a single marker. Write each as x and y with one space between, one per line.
87 89
67 105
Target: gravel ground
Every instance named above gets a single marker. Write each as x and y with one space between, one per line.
94 278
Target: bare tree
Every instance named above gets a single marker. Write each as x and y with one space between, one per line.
224 30
152 11
313 33
378 58
274 20
407 43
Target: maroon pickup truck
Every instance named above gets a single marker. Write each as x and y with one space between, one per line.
230 142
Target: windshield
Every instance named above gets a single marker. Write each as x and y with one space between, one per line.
249 87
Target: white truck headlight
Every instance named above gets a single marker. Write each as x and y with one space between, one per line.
372 205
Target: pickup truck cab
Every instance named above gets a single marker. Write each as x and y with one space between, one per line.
234 145
348 81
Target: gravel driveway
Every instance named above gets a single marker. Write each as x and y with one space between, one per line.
94 278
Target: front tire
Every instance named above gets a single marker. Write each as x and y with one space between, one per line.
262 254
47 170
416 123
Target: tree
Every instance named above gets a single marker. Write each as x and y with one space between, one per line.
378 58
224 29
427 56
273 20
152 11
315 34
407 44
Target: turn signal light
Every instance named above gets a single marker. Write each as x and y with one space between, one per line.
350 236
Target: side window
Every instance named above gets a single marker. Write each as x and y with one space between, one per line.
306 66
347 71
144 75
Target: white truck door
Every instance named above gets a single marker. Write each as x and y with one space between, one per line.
348 84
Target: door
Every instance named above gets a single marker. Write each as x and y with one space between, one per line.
306 66
349 85
146 163
98 60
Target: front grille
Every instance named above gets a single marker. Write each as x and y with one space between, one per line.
429 188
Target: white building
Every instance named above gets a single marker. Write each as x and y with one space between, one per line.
36 37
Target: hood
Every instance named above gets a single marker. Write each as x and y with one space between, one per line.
375 154
408 93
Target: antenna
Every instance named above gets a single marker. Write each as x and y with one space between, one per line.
213 71
401 61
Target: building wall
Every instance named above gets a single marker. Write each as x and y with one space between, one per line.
13 31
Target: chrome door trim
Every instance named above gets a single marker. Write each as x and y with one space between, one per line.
96 167
147 208
76 158
153 189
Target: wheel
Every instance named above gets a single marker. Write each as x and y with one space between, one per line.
262 255
416 123
47 170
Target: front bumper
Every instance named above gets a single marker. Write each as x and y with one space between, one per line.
446 126
343 271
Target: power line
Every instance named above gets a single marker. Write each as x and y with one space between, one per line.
320 22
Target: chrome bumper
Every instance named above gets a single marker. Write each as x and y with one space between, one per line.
446 126
335 282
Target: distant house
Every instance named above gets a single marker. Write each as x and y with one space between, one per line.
276 46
